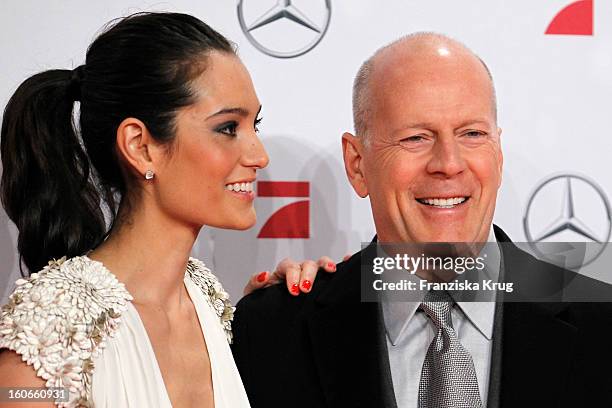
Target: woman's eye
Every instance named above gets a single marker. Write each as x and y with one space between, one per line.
257 123
228 128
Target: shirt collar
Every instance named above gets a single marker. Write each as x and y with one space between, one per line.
397 315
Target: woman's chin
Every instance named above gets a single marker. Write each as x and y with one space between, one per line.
244 227
239 224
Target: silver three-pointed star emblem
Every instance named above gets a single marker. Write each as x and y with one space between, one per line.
567 219
285 9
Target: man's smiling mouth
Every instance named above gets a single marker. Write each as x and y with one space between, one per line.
443 202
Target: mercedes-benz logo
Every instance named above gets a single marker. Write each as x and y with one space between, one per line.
285 9
568 219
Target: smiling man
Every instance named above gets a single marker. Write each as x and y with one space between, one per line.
426 151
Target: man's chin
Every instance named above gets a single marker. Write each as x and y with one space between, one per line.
448 234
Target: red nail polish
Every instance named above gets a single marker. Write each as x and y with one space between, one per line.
331 265
306 284
261 277
295 288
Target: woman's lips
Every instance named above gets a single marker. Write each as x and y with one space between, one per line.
242 190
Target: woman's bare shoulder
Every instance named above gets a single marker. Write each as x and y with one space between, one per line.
14 372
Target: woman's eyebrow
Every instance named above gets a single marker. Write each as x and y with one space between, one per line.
224 111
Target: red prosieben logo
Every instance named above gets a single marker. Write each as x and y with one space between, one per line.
574 19
291 220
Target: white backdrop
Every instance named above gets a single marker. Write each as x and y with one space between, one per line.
553 93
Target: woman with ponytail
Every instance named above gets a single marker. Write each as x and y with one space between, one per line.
109 199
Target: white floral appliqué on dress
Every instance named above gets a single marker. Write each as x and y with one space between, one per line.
75 324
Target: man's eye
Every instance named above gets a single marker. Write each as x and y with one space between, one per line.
414 139
228 128
474 134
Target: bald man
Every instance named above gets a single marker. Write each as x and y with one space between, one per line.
426 151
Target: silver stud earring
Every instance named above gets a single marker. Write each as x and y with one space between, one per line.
149 175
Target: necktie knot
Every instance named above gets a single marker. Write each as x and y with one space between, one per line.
437 305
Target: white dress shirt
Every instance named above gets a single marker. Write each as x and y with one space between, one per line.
409 333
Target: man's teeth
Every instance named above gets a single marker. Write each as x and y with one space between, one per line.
443 202
240 187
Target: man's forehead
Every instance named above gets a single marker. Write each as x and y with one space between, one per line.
434 86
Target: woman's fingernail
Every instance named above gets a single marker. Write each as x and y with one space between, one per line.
262 277
331 266
306 284
295 288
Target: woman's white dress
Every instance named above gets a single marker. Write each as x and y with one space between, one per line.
75 324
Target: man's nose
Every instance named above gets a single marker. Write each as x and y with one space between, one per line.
446 158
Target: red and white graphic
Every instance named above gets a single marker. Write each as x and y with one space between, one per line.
292 220
574 19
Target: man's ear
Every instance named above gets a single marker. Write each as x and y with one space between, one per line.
135 145
352 151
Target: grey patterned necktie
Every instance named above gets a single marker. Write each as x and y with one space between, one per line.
448 377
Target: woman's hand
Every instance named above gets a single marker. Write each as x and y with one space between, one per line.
298 276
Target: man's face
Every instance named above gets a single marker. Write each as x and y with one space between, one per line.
432 163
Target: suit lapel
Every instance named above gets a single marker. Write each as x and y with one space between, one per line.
537 340
538 347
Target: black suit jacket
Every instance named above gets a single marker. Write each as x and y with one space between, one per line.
328 349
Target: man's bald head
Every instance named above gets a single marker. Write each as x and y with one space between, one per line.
414 50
